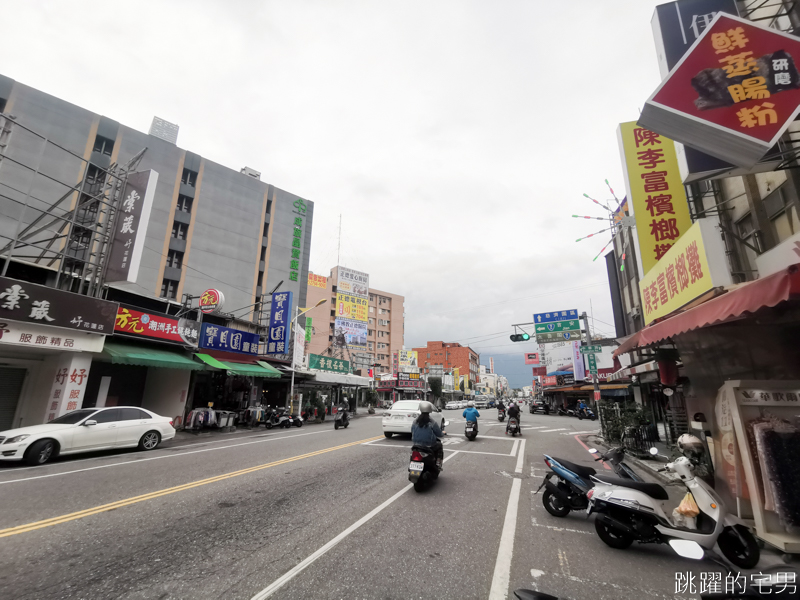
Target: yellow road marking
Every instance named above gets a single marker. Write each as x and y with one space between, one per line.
120 503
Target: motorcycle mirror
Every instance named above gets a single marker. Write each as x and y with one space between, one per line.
654 451
687 549
592 450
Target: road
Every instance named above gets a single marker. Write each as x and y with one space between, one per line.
314 512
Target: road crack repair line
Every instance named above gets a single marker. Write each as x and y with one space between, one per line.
157 494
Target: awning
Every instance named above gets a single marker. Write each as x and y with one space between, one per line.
605 386
745 298
340 378
246 369
128 354
275 372
627 372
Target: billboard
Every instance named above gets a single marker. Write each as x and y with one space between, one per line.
655 192
130 227
732 95
407 359
352 300
354 283
317 280
352 334
351 307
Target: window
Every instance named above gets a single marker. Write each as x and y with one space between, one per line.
169 289
372 309
95 178
133 414
371 298
179 231
108 416
175 259
263 253
184 203
370 331
369 345
782 214
429 354
189 177
103 145
265 233
746 231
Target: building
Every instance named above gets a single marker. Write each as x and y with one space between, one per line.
451 356
164 130
385 323
209 227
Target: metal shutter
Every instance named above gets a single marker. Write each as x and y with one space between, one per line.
11 381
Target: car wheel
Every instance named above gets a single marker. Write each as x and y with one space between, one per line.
387 434
40 452
150 441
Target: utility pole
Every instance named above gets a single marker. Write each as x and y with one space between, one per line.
589 343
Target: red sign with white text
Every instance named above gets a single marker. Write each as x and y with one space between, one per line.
157 326
551 380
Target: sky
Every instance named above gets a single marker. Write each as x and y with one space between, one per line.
454 139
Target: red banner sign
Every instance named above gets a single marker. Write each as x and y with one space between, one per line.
551 380
157 326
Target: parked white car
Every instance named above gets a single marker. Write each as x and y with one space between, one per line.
402 415
453 404
86 430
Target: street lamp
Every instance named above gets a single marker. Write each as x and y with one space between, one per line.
291 328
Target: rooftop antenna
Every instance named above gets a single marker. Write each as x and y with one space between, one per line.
339 249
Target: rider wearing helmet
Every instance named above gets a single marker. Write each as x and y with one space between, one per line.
471 413
425 432
513 413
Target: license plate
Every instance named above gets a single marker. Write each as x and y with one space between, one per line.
398 417
416 466
469 429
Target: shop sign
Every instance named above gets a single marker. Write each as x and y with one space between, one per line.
692 267
531 358
733 94
407 359
300 209
762 397
407 376
558 380
539 371
279 319
354 333
69 383
131 223
558 331
596 349
299 354
551 317
32 303
40 336
317 281
351 307
217 337
657 197
325 363
309 328
157 326
409 383
211 301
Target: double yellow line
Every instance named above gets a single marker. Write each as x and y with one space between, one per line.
179 488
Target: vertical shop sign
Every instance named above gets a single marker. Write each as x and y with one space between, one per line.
69 384
656 195
298 355
279 319
309 328
130 223
300 209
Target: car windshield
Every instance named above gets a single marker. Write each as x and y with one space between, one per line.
73 417
406 405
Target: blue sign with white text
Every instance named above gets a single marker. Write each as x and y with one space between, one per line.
279 321
217 337
552 317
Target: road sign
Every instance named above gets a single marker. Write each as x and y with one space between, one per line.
596 349
593 364
552 317
559 331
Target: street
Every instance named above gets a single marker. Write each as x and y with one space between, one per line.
314 512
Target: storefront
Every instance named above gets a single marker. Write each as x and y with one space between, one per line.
407 386
47 339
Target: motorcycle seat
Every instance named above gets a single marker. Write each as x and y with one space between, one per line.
579 470
651 489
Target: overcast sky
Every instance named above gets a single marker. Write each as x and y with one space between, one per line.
455 139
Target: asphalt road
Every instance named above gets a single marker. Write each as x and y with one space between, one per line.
314 512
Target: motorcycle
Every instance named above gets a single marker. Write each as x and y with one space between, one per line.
586 413
501 414
570 491
629 511
562 412
513 426
277 418
471 430
295 420
342 419
425 465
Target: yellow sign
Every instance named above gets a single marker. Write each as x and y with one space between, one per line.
319 281
456 380
656 195
351 307
680 276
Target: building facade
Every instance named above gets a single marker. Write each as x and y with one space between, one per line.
451 356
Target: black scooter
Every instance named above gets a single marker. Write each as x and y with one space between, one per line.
501 414
471 430
513 426
342 419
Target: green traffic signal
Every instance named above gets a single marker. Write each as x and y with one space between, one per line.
520 337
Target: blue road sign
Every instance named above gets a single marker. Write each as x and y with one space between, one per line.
551 317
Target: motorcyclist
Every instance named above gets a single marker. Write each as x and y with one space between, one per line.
582 408
343 408
471 413
500 405
425 432
513 413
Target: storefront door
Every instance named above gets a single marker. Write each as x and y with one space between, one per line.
11 381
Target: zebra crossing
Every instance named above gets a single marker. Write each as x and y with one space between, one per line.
537 429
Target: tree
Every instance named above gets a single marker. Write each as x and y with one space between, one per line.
436 386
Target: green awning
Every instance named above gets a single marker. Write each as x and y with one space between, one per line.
269 368
239 368
127 354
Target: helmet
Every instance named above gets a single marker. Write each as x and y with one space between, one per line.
425 407
470 403
690 446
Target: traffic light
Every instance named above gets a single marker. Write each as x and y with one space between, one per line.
520 337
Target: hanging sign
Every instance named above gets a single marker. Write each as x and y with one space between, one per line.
279 320
558 332
325 363
217 337
157 326
211 301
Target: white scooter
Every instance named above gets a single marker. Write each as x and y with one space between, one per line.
631 511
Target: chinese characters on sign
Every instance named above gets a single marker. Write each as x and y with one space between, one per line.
351 307
158 326
279 319
217 337
558 331
31 303
211 300
69 384
531 358
131 222
552 317
350 326
655 191
297 236
37 336
326 363
317 280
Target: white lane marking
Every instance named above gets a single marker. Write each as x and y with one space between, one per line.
551 430
540 427
445 449
580 432
141 460
554 528
502 566
520 457
291 573
640 592
514 448
536 573
495 437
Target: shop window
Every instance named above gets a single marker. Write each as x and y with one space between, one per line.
175 259
184 203
189 177
103 145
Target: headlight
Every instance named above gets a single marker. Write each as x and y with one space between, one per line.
17 439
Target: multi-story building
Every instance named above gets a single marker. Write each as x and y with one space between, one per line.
385 323
450 355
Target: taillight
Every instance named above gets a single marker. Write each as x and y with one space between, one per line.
590 493
416 456
171 423
547 462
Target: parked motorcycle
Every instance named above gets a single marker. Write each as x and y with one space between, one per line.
562 412
277 418
342 419
570 491
631 511
501 414
586 413
295 420
471 430
513 426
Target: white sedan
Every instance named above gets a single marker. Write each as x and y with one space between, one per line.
86 430
402 414
453 404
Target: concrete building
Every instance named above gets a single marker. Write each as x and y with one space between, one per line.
450 355
385 329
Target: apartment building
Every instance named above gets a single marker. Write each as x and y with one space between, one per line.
450 355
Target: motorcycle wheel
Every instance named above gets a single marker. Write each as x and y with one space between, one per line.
580 417
744 555
552 504
419 486
346 424
336 424
298 423
611 536
269 425
594 418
